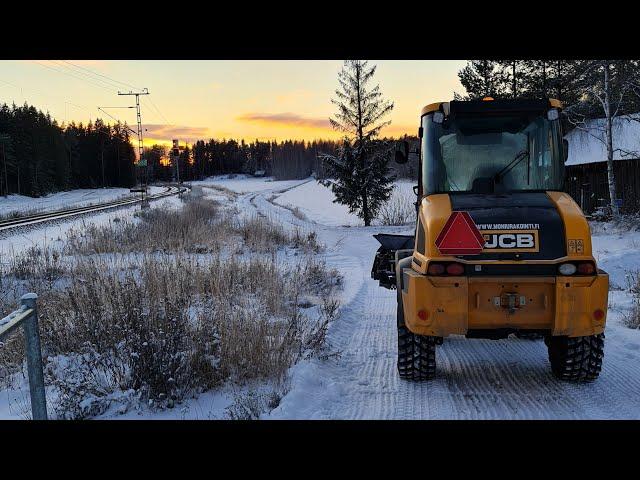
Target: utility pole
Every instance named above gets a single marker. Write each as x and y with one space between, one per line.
102 162
6 180
175 153
3 140
145 91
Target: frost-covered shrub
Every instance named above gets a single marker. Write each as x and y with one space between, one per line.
250 405
621 224
632 318
398 210
132 329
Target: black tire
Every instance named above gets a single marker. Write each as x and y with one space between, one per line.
576 359
416 353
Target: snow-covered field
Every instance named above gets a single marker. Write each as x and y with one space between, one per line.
477 379
20 204
15 241
316 203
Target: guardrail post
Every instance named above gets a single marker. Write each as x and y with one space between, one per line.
34 359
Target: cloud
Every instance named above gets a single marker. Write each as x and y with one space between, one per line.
285 119
181 132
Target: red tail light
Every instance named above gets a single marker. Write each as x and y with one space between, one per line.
598 314
435 269
586 268
455 269
449 268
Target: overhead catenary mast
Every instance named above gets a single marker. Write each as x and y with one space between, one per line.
145 91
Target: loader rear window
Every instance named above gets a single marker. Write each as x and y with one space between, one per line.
492 153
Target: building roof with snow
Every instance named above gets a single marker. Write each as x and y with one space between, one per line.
588 146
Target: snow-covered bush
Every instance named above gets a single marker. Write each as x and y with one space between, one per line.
398 210
621 224
632 318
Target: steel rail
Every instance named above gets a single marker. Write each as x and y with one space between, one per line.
58 214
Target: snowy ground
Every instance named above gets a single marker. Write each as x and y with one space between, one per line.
316 203
477 379
16 240
20 204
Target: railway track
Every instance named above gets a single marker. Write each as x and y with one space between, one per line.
70 212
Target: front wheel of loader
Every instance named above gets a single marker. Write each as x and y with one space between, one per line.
416 353
576 359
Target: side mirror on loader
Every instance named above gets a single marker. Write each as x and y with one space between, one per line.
402 152
565 149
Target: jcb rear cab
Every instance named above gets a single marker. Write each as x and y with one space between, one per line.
499 248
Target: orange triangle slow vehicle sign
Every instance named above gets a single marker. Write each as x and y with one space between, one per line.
460 236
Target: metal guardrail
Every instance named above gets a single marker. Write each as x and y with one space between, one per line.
27 316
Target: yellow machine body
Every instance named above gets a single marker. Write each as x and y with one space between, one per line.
446 305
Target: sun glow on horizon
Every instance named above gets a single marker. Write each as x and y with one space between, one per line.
252 100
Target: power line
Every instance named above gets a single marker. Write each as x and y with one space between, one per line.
48 95
159 112
98 81
117 119
72 75
101 75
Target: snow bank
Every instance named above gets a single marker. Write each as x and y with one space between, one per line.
317 203
617 253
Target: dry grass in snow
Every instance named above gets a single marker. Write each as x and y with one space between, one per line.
157 310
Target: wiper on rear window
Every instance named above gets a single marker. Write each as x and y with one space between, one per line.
516 160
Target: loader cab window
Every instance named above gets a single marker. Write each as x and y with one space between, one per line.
492 153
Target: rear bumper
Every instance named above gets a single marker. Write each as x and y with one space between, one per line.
455 305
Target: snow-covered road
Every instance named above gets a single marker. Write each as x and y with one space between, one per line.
477 379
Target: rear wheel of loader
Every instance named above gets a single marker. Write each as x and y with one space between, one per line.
416 353
577 359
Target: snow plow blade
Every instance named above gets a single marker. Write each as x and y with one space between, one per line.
384 264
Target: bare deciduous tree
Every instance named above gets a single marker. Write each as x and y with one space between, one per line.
609 90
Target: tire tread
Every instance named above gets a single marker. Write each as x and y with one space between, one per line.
576 359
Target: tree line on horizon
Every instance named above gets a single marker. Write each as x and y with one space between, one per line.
39 156
284 160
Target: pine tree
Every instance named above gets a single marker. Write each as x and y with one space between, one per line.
483 78
360 171
512 78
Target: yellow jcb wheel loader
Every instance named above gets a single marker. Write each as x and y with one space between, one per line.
499 248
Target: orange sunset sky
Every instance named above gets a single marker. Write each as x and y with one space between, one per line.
191 100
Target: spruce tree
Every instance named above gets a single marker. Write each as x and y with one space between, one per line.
359 172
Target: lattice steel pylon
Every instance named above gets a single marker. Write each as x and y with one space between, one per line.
145 91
